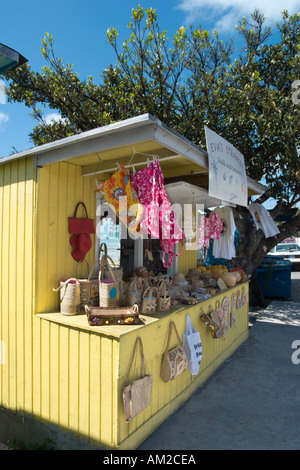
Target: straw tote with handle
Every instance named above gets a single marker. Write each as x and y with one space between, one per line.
137 395
89 288
174 362
69 296
134 292
163 298
108 288
149 301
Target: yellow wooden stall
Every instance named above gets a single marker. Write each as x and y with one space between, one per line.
58 370
100 361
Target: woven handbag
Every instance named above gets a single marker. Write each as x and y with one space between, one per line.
212 322
69 296
148 304
174 362
137 395
134 293
89 287
163 298
123 287
108 288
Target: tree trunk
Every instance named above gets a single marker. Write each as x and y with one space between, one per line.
253 247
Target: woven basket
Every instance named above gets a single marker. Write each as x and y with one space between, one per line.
123 288
89 288
69 296
164 297
148 305
108 288
134 293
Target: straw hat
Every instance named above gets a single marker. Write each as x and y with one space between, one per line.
178 278
192 274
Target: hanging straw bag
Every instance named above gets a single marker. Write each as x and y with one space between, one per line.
148 306
137 395
108 288
89 288
163 298
175 361
69 296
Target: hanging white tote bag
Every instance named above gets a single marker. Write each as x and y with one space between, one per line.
192 346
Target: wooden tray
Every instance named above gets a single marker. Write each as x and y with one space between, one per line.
101 316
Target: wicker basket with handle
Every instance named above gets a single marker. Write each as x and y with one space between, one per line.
89 287
134 293
164 297
148 304
69 296
108 288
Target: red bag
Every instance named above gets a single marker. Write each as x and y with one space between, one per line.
80 230
77 226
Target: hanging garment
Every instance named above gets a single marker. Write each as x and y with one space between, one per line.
159 219
263 220
209 227
224 247
114 190
216 225
204 232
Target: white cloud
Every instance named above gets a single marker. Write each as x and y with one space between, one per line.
3 118
226 13
53 117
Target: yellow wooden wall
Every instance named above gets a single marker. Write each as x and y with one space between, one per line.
60 188
17 267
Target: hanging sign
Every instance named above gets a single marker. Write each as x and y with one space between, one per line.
227 174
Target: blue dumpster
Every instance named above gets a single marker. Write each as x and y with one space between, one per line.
274 277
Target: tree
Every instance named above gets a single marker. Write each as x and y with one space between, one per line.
193 80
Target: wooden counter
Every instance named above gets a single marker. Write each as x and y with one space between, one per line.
84 369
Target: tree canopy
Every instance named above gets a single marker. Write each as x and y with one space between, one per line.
193 79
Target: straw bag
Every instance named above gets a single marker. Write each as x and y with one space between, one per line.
137 395
134 293
212 322
149 301
123 287
69 296
108 288
89 288
175 361
163 298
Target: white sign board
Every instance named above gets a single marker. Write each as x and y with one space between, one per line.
227 174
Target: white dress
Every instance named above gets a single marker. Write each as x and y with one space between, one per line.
263 220
224 247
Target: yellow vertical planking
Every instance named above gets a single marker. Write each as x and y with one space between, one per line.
61 187
84 384
64 377
95 389
17 190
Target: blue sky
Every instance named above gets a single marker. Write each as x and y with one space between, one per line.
79 32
